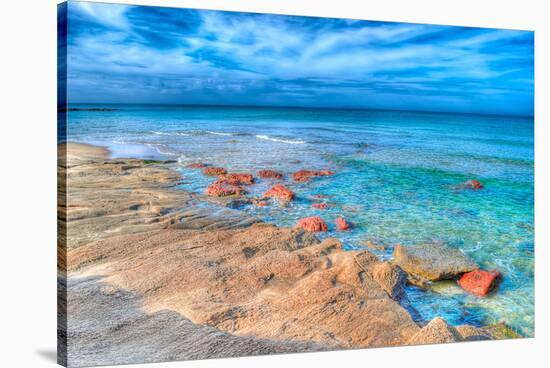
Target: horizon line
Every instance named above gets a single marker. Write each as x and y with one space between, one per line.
302 107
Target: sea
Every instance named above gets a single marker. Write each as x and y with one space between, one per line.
396 176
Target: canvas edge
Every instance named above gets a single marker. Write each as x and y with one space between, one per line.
62 32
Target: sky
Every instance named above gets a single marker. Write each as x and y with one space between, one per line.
138 54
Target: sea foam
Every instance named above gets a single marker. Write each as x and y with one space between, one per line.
288 141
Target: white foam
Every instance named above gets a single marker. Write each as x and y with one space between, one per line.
268 138
172 133
159 149
219 133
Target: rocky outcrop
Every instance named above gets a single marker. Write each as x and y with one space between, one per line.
223 189
312 224
127 196
280 192
479 282
262 281
391 278
432 262
270 174
438 331
303 176
214 171
108 325
237 179
342 224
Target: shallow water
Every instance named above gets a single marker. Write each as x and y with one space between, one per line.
394 180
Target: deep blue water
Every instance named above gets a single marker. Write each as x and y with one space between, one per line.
394 180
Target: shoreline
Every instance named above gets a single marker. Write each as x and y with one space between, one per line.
126 219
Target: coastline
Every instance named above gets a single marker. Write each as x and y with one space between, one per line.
131 232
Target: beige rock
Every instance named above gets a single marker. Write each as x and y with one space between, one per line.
438 331
259 281
432 262
391 278
497 331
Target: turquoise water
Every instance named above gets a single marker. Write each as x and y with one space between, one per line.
394 180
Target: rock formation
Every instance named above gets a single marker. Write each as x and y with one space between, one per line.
305 175
214 171
432 262
312 224
237 179
479 282
270 174
342 224
280 192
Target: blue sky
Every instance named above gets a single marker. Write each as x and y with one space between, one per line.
138 54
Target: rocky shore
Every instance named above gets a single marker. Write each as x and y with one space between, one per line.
156 273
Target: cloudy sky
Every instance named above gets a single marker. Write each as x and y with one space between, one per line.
137 54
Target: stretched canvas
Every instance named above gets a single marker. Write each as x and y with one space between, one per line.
235 184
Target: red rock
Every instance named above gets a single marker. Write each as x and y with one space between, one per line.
312 224
270 174
479 282
320 206
472 184
222 189
237 179
304 175
342 224
280 192
214 171
261 203
197 165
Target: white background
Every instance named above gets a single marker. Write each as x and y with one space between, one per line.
28 179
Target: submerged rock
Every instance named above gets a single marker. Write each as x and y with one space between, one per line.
303 176
270 174
280 192
373 244
222 189
432 262
313 224
498 331
197 165
214 171
479 282
438 331
342 224
237 179
260 202
470 184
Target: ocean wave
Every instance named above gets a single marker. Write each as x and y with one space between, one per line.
162 149
219 133
171 133
288 141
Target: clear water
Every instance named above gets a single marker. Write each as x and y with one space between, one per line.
394 180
